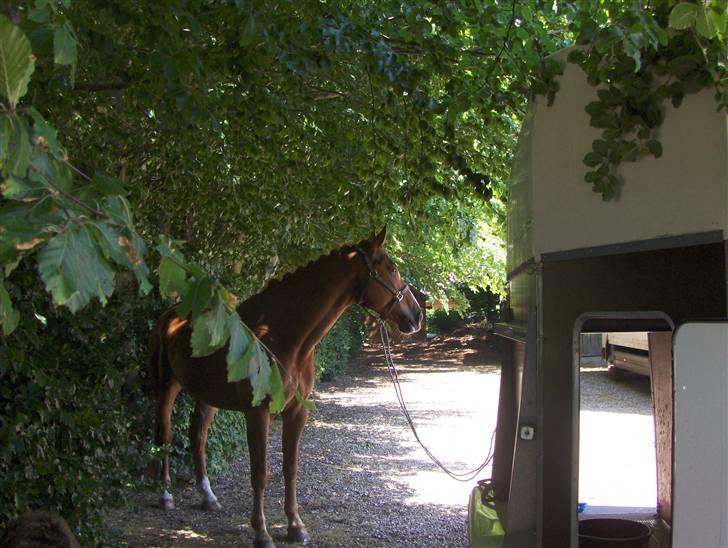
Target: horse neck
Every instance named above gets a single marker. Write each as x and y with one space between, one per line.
303 308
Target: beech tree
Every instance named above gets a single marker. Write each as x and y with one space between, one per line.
265 134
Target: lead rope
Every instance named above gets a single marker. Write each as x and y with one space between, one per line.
464 476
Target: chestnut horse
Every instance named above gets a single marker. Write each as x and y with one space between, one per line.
290 316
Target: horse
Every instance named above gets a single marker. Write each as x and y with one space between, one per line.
290 316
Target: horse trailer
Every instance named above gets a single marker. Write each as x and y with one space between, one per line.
652 261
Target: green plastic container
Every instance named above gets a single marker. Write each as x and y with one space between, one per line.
484 527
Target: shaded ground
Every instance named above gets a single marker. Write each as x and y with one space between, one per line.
363 479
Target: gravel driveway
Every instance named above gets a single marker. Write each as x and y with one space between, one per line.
363 479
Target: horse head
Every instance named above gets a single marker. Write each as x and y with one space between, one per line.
383 290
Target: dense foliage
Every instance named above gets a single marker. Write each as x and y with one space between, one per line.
344 339
264 134
74 429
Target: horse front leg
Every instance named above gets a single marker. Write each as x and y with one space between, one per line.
258 422
294 419
199 425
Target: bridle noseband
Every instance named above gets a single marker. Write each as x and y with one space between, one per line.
374 275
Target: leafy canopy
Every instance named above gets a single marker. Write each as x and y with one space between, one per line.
263 134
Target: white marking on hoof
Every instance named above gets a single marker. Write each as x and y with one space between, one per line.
167 501
209 500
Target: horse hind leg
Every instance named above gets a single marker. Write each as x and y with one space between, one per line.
200 421
294 419
163 436
165 388
258 422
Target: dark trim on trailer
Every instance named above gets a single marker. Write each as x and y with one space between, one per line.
725 264
529 265
668 242
603 324
514 331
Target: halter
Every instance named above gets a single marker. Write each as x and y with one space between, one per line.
374 275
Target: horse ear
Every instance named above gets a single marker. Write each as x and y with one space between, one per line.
379 238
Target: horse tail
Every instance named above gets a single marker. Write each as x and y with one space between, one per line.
156 360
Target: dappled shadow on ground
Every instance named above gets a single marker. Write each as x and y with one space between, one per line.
363 480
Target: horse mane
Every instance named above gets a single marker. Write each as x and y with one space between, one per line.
302 271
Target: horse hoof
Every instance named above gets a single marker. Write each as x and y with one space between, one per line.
263 544
298 535
211 505
166 504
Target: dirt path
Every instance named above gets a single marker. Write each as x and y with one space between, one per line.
363 479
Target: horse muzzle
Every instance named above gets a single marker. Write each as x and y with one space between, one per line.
411 322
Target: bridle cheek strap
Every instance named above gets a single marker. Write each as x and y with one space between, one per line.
374 275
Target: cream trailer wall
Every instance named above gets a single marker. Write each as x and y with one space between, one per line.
553 209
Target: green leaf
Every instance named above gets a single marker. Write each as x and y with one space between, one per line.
17 62
683 64
601 147
109 238
172 278
718 18
610 97
655 148
630 152
592 159
683 16
240 350
705 24
126 252
9 317
167 247
308 404
278 396
653 115
109 186
119 209
141 270
46 137
218 323
39 14
20 148
196 298
48 171
15 188
209 332
608 193
662 37
259 373
592 177
74 270
64 46
595 108
25 226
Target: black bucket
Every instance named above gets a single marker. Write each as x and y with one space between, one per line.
613 533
